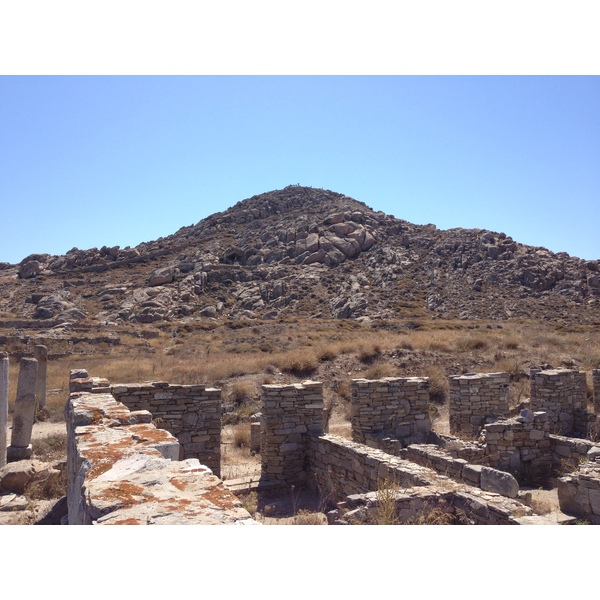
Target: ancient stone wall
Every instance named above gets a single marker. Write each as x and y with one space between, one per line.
562 393
520 445
569 453
343 469
475 397
393 406
290 413
579 492
192 413
123 470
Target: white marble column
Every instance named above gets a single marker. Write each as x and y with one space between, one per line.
3 405
40 353
22 424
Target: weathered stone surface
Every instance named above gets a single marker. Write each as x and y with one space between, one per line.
160 277
29 269
16 476
499 482
13 502
127 477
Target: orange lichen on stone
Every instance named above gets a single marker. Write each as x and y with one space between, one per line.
103 457
122 491
221 497
125 522
149 433
177 505
179 483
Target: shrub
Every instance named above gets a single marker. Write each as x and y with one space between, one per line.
242 391
438 384
300 363
368 356
250 502
380 371
241 435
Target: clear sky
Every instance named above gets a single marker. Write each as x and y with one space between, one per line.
91 160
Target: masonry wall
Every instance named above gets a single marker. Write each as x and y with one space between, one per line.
290 413
122 470
475 397
520 445
562 393
192 413
568 453
579 492
343 469
393 406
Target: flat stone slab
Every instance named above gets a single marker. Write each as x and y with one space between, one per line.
12 502
147 490
553 518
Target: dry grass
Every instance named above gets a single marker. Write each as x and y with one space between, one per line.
301 362
51 447
379 371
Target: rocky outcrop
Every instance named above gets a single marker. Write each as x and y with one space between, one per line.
308 252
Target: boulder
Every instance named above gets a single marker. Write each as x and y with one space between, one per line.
16 476
160 277
30 269
499 482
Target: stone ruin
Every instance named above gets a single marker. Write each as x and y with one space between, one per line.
149 453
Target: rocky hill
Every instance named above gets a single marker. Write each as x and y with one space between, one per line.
303 252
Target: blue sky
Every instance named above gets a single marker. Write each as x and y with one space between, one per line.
90 161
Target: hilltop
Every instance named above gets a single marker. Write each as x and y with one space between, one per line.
304 252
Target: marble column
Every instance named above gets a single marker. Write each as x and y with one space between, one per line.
40 353
22 424
3 405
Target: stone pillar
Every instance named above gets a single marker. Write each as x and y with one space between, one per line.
40 353
255 437
290 414
596 383
3 405
22 425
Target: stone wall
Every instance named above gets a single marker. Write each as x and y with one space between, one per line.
340 467
122 470
475 397
344 470
562 393
579 492
520 445
569 453
393 406
192 413
289 414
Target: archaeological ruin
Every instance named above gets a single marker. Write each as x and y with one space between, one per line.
115 449
150 453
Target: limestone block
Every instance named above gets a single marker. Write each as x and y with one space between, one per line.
499 482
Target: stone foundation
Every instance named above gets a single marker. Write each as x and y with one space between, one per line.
474 398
